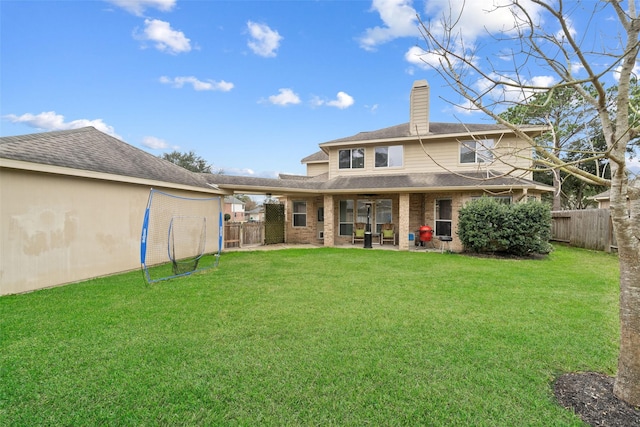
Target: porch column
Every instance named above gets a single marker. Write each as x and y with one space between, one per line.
525 195
329 222
403 222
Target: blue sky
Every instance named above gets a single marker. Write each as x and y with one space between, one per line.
250 86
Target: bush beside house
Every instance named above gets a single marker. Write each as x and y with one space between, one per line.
487 225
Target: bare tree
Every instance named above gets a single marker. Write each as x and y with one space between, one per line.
583 65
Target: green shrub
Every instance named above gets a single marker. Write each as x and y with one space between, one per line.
489 226
530 228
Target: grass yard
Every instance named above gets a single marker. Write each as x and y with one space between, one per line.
323 336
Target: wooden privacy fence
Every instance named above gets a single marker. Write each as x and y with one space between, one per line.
589 228
239 234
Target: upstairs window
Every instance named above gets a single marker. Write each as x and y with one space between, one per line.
389 157
476 151
351 159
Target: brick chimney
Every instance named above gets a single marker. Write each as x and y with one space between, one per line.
419 104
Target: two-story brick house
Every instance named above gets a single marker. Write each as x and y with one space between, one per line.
72 201
413 174
233 209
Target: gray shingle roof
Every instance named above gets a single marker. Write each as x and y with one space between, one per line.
233 200
321 177
319 156
427 180
91 150
435 128
377 183
244 182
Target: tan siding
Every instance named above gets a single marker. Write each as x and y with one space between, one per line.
437 156
444 155
419 114
315 169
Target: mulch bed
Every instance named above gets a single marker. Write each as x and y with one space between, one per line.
590 396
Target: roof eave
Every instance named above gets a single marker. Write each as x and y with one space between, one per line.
454 135
80 173
439 189
258 189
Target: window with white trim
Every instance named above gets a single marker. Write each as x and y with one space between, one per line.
351 158
389 157
444 215
383 213
476 151
346 217
299 214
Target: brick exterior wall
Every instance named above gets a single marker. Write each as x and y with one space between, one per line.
309 233
419 210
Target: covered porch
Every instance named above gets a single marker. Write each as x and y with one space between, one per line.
323 212
332 219
403 213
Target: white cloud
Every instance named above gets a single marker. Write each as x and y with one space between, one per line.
166 38
503 96
156 143
516 93
635 72
50 121
421 58
542 81
197 85
560 35
399 20
343 100
285 97
473 19
264 41
137 7
465 107
478 17
239 171
576 67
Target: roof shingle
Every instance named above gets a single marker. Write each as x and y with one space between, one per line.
89 149
435 129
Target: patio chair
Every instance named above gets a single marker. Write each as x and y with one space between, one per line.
358 232
387 234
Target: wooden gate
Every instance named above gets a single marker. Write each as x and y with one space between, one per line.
239 234
273 223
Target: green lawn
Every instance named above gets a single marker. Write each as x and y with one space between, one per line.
313 337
